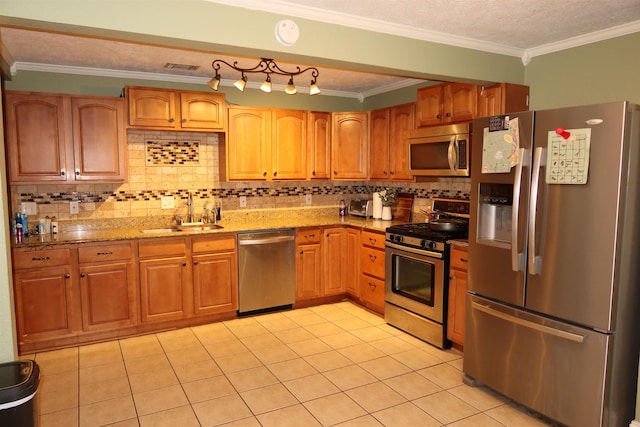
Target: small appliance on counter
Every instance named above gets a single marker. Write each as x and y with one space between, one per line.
361 207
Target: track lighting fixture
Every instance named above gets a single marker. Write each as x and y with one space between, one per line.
268 67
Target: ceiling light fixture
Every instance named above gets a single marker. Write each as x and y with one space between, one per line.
268 67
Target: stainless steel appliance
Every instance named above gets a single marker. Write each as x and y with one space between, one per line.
554 271
360 207
416 275
266 270
440 150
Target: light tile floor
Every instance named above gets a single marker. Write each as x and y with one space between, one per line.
330 365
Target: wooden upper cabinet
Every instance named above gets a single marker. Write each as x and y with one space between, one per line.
446 103
63 138
99 140
379 144
176 110
319 145
349 145
502 98
37 137
388 145
265 144
288 144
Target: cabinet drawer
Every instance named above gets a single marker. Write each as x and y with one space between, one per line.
372 262
308 235
104 253
375 240
39 259
459 259
208 244
372 291
162 247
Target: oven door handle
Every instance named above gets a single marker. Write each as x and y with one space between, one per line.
414 251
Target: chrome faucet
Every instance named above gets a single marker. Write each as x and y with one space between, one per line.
189 207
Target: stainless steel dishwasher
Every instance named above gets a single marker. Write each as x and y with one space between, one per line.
266 270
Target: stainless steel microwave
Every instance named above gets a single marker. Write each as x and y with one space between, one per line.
440 150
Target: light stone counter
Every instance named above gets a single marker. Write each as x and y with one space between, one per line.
232 222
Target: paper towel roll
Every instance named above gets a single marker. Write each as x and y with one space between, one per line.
377 206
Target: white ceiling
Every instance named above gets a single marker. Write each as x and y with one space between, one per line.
523 28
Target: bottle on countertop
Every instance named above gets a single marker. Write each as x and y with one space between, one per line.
25 221
342 208
54 225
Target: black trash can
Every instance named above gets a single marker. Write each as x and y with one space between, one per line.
18 385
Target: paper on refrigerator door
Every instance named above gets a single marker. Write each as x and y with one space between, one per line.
568 159
500 149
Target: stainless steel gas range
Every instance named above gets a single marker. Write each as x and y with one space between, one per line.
416 273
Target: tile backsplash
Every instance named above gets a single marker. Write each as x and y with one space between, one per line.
172 164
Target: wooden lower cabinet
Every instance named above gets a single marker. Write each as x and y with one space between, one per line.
352 262
107 286
309 283
457 295
333 260
372 265
164 284
215 275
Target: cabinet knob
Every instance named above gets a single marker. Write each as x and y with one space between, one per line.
264 173
372 257
464 260
184 120
62 172
184 264
67 276
448 114
77 172
392 173
372 240
439 116
301 252
313 173
275 173
335 172
195 262
171 120
82 275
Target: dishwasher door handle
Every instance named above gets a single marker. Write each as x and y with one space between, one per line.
266 241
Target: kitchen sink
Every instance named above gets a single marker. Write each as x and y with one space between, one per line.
182 229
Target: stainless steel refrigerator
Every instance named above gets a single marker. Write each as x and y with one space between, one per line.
553 304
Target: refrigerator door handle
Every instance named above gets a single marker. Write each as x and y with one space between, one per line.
517 258
528 324
535 262
452 156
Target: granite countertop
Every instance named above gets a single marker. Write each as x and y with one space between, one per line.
240 221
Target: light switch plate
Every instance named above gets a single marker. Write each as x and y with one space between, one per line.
308 199
29 208
168 202
243 201
73 208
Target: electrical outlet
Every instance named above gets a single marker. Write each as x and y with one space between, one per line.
168 202
308 199
73 208
29 208
243 201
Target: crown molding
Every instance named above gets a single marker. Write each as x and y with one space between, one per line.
596 36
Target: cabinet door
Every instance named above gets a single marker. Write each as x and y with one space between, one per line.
201 110
108 296
460 102
502 98
372 262
401 124
379 145
309 271
164 289
456 309
372 292
319 147
248 144
334 257
155 108
352 262
490 101
99 142
429 106
288 144
349 142
37 138
215 283
44 306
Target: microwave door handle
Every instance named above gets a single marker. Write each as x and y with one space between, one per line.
535 262
451 154
517 258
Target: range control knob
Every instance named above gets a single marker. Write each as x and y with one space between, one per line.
398 239
427 244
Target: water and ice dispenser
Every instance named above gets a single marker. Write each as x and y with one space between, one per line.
494 214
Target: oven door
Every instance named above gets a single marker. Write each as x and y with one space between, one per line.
415 281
